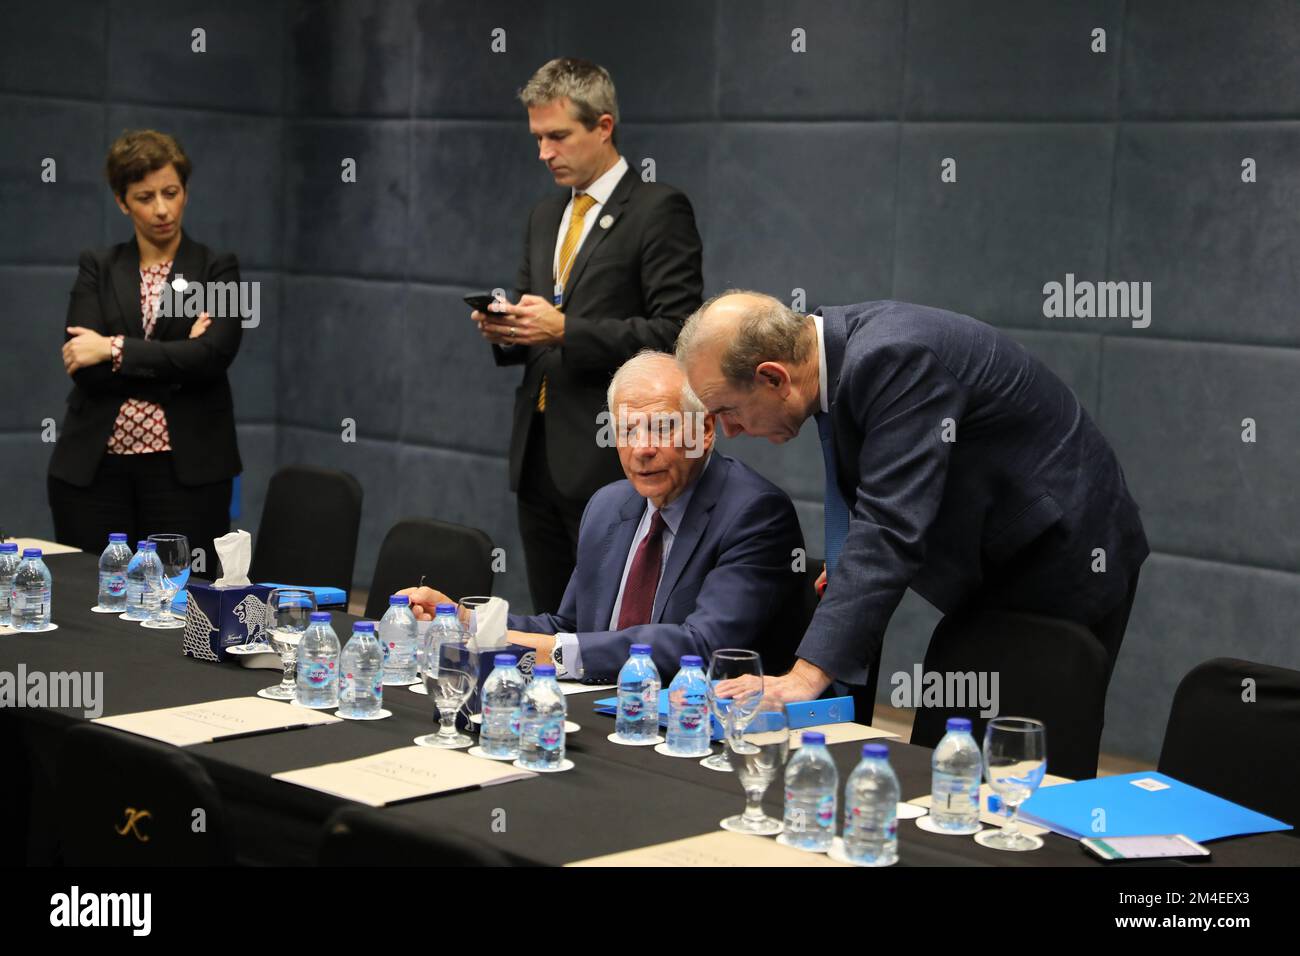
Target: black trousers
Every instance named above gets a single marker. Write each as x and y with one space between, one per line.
139 495
548 524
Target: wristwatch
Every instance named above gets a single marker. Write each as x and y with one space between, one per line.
557 656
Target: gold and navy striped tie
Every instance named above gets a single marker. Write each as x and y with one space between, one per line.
568 252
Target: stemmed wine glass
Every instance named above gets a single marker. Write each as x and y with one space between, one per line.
1015 760
450 676
174 555
757 754
743 670
289 610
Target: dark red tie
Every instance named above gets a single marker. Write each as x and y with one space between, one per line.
643 580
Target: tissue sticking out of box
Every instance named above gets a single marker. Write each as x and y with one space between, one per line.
235 550
487 625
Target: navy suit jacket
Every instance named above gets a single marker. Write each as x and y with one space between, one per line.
728 581
1007 512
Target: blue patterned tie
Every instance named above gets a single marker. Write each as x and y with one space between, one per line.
836 510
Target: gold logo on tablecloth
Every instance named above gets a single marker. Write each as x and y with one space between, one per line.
133 818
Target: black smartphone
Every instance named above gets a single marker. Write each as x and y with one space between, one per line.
481 301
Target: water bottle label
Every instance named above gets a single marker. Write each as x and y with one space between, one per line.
514 721
379 687
632 705
347 685
317 675
113 584
551 734
826 812
690 718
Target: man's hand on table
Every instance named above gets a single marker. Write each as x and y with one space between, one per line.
804 682
543 644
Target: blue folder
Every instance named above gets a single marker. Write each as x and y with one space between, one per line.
1071 809
812 713
325 596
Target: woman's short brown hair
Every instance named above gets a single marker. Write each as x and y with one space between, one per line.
137 153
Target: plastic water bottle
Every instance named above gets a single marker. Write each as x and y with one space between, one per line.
31 593
361 674
397 630
112 573
955 770
318 664
812 784
638 697
871 809
9 561
140 575
541 721
688 709
444 620
503 693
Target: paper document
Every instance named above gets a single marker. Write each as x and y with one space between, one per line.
215 720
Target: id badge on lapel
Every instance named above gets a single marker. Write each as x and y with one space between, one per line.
557 295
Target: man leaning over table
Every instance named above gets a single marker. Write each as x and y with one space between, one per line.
692 552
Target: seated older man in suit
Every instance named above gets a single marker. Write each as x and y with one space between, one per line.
693 552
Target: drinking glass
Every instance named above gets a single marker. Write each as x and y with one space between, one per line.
290 612
1015 760
742 700
174 555
757 754
450 676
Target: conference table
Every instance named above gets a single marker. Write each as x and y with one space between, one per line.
616 798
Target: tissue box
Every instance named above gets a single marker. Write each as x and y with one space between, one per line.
217 618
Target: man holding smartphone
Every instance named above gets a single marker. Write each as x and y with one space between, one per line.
611 266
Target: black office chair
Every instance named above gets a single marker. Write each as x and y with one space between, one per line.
363 836
1234 730
129 801
1049 669
450 557
309 527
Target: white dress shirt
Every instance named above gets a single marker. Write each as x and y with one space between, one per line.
600 190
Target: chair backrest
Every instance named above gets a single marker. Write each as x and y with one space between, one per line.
363 836
125 800
309 527
1234 730
1047 668
450 557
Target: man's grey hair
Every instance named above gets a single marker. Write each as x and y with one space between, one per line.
769 331
587 85
651 366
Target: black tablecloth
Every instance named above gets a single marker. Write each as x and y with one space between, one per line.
616 798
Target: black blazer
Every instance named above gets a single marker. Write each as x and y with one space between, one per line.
187 377
632 286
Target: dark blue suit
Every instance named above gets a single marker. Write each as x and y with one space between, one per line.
728 580
1008 514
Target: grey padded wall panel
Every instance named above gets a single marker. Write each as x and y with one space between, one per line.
853 66
50 222
1010 59
351 57
822 193
54 49
1028 206
1220 253
255 377
36 386
1174 411
341 351
151 59
1206 58
24 511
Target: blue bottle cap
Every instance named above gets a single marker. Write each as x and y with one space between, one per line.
399 599
9 547
505 660
31 553
149 545
995 803
877 751
813 737
543 670
115 537
320 617
363 627
959 724
445 609
692 660
640 649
